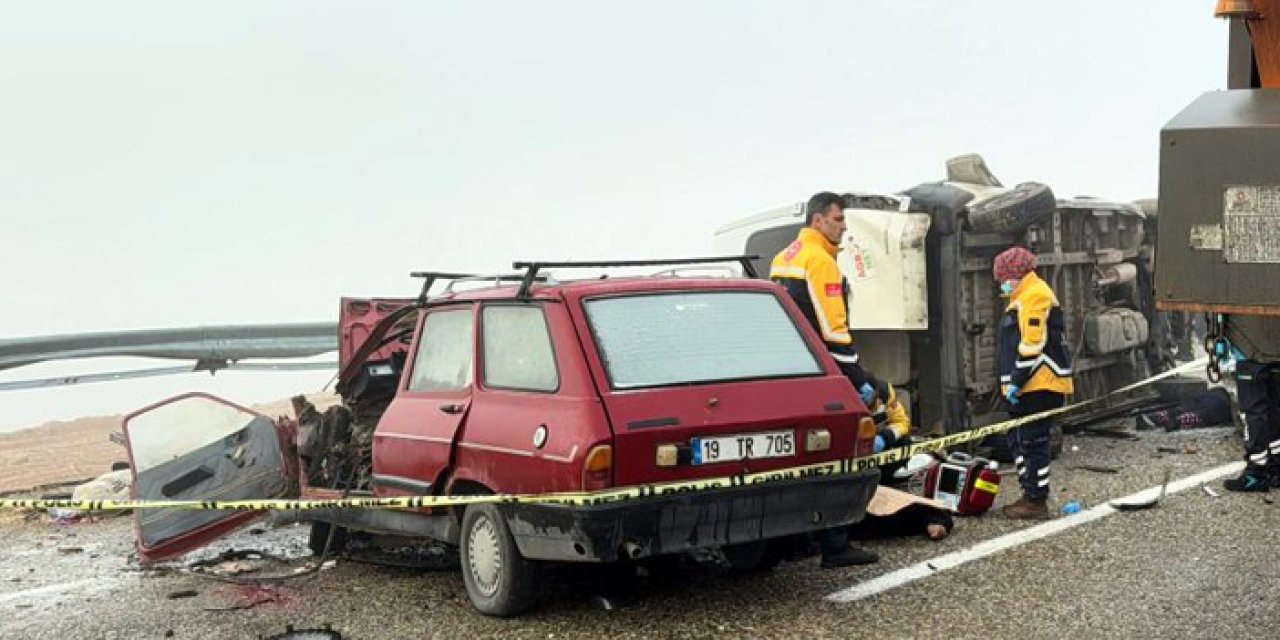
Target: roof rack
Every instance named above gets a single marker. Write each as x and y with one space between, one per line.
531 268
497 279
430 278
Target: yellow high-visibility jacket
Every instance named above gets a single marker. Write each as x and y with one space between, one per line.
807 270
1033 352
892 414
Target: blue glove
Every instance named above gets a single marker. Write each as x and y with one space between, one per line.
879 444
1012 394
1223 347
867 392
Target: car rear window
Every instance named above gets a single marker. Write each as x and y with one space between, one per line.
688 338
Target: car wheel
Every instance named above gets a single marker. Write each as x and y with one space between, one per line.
1014 210
499 581
318 539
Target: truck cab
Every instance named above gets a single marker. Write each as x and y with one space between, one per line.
535 387
923 305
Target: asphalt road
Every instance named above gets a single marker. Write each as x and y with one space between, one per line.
1195 566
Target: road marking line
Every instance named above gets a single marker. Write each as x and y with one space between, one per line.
53 588
985 548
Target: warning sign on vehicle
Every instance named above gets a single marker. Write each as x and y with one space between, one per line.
1251 224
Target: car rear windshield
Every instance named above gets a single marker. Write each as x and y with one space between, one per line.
667 339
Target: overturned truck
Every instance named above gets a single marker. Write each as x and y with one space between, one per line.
923 304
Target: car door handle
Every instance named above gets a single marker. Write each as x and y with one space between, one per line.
451 409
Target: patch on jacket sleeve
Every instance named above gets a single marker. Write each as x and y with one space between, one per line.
834 290
1034 322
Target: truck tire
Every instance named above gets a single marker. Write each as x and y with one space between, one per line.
319 538
499 581
1014 210
943 202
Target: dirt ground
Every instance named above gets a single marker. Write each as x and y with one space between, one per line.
61 453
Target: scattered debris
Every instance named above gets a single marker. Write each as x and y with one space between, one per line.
1144 504
250 596
1075 447
1190 448
1168 450
323 633
185 593
606 603
114 485
69 549
1097 468
1210 492
1107 433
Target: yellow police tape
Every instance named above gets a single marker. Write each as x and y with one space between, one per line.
823 469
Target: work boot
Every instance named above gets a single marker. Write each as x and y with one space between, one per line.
1154 420
1250 481
849 557
1027 509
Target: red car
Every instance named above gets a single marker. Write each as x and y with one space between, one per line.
535 386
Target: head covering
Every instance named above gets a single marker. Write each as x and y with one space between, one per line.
1013 263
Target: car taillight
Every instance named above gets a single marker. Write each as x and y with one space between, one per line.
597 469
866 444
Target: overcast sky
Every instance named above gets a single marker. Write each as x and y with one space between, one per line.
179 163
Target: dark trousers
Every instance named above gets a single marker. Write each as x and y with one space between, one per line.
1258 389
833 540
1030 442
1213 406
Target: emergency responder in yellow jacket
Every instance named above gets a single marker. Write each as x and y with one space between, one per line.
807 269
893 427
1035 372
893 423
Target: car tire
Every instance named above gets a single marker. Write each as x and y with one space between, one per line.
499 581
319 538
1014 210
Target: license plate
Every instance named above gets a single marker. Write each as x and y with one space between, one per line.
747 446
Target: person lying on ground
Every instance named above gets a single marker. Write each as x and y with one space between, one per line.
895 514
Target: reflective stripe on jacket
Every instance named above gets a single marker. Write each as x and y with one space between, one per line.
807 270
1033 352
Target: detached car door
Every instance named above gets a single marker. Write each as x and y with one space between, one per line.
200 447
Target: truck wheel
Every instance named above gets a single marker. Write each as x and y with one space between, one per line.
499 581
1013 210
319 537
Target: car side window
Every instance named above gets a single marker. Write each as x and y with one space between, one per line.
517 349
444 358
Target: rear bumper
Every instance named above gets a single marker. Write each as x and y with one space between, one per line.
673 524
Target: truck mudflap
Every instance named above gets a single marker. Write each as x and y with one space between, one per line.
683 522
